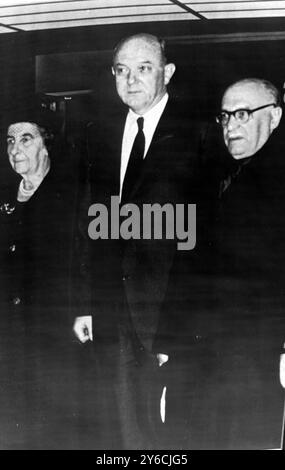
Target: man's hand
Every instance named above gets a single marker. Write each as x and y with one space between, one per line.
162 358
282 370
83 328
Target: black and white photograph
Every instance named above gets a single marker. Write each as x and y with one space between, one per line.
142 226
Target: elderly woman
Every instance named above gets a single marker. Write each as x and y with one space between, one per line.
37 200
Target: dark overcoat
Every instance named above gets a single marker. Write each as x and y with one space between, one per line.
226 323
37 386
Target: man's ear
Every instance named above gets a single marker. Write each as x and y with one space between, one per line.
44 152
169 70
113 71
276 114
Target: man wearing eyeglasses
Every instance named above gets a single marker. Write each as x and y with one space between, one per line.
250 113
232 396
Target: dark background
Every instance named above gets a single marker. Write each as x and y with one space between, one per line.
209 55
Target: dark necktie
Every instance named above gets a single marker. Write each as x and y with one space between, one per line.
135 162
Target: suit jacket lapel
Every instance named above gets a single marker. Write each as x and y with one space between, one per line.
162 135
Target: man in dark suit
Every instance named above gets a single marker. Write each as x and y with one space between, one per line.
226 326
144 156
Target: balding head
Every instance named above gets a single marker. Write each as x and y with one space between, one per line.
156 43
261 86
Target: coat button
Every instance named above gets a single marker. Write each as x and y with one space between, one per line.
16 300
12 248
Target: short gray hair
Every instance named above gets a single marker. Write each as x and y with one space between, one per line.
265 84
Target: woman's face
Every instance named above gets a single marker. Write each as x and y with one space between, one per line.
26 148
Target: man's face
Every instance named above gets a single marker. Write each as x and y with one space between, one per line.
25 147
141 77
245 139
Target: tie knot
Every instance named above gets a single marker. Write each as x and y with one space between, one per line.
140 123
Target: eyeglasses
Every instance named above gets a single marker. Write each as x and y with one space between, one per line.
241 115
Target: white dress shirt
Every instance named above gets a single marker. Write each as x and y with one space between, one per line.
151 119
